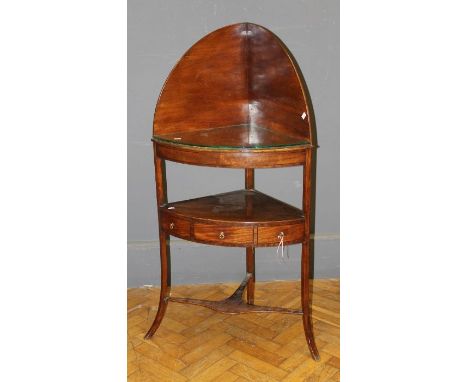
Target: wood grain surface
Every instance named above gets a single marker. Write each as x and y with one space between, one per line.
239 76
245 218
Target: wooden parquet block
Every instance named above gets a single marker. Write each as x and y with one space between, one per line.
261 342
197 344
256 351
204 363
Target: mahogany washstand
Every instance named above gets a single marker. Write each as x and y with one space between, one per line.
236 99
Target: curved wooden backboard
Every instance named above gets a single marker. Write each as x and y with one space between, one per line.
241 74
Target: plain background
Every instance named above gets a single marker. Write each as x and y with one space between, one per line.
403 190
159 32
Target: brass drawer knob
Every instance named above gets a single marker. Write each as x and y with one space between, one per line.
281 236
221 235
171 226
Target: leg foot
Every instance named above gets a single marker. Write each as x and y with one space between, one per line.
310 337
159 316
165 284
305 292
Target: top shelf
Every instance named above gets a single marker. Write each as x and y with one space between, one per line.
232 137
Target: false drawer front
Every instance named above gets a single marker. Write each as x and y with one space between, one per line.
175 226
293 233
230 236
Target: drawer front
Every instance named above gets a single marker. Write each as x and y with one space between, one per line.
293 233
175 226
219 235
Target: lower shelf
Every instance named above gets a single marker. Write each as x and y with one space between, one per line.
244 218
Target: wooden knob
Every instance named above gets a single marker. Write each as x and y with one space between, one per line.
171 226
221 235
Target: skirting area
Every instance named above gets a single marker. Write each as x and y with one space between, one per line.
197 344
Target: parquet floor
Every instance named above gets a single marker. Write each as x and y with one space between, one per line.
197 344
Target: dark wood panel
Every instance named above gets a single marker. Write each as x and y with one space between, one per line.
224 235
271 235
242 207
175 225
208 86
264 158
278 82
239 75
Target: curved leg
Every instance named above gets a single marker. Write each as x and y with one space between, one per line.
165 284
305 301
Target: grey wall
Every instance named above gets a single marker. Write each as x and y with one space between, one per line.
159 32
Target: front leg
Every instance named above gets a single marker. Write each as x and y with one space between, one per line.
305 298
165 284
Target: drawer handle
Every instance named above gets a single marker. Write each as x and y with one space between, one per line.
171 226
281 245
221 235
